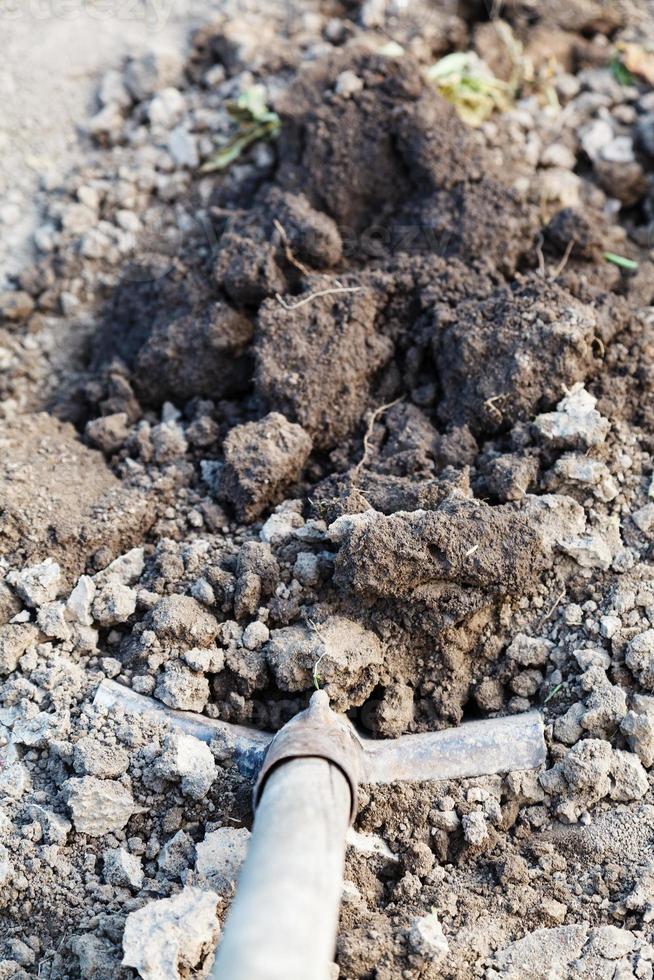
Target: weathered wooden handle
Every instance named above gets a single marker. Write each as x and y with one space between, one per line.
282 923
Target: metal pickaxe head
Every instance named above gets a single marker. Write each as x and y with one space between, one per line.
283 921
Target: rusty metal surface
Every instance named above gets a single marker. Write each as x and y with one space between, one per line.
243 746
319 733
476 748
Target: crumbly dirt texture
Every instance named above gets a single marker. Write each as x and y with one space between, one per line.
369 408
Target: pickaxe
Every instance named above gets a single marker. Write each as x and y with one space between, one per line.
283 921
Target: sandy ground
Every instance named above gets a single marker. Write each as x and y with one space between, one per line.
53 53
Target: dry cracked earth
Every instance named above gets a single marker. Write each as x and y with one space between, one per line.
380 394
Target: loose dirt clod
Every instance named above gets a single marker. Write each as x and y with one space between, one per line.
65 503
172 936
261 460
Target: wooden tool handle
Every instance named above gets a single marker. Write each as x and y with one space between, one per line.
283 921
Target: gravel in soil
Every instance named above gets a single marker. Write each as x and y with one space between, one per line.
372 397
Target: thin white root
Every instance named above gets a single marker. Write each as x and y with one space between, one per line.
316 295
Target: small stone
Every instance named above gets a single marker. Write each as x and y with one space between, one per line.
345 656
96 244
307 569
588 550
526 683
35 732
189 761
605 708
111 666
214 76
629 777
183 148
205 660
586 768
98 806
558 155
80 601
202 591
181 620
126 569
560 186
644 519
395 712
510 476
167 108
93 758
573 614
639 658
15 780
529 651
151 73
575 423
51 619
638 729
255 635
168 442
128 221
427 944
182 688
475 827
122 868
114 604
109 432
595 137
15 306
489 694
619 150
176 856
88 196
220 855
15 640
567 728
172 937
54 826
37 583
553 910
447 820
280 527
589 657
575 469
609 626
348 84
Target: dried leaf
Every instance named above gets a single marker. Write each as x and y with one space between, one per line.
465 81
639 61
255 122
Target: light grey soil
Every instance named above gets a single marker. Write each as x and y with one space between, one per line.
51 61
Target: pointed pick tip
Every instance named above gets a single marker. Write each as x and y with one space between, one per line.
319 702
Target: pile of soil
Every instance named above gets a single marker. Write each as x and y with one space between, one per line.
373 398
